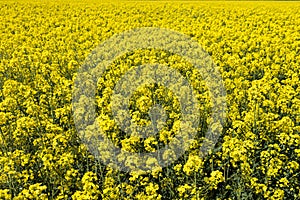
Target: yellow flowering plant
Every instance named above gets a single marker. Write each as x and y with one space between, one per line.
255 47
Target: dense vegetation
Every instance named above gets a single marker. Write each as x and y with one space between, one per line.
256 48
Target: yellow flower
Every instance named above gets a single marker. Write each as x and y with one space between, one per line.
215 178
193 164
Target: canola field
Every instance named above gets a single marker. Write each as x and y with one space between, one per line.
255 47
